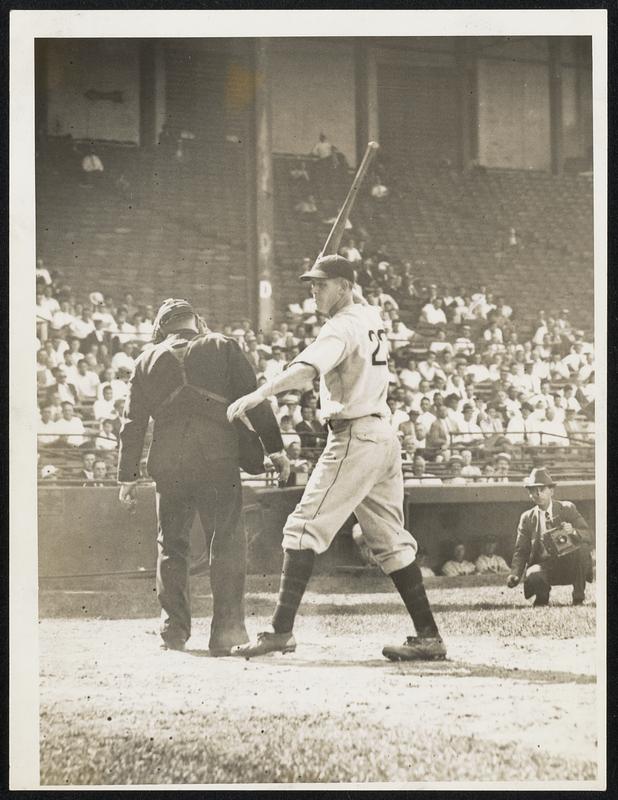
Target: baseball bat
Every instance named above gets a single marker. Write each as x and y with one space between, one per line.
331 245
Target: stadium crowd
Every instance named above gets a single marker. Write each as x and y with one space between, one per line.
469 385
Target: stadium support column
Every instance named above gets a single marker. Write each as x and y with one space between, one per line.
264 202
467 61
555 103
361 97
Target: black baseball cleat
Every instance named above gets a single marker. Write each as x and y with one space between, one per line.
172 644
417 648
579 601
266 643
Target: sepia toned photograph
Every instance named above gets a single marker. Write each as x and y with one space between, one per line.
312 463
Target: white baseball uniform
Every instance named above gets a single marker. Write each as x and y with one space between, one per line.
360 469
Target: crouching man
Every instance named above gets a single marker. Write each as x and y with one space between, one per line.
552 547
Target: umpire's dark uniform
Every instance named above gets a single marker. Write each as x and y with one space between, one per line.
193 459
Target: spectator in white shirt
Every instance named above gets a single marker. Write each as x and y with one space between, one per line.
290 407
588 369
489 562
430 368
276 364
455 466
410 376
65 390
552 431
41 273
468 470
493 334
288 433
322 148
62 318
124 331
399 336
49 301
44 375
576 358
432 313
440 344
426 418
70 427
82 326
464 345
556 369
124 357
120 384
106 438
352 253
521 429
468 431
458 564
86 382
104 408
47 430
419 476
478 370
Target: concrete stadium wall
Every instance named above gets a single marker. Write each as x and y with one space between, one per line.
84 531
105 65
312 90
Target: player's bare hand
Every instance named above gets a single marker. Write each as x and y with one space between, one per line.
242 405
128 495
512 581
567 528
281 464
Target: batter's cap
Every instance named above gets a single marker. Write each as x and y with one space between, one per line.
330 267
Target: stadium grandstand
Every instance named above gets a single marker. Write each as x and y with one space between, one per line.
164 168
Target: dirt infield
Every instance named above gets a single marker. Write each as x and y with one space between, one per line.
506 706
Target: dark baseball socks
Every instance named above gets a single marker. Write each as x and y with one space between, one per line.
295 574
409 583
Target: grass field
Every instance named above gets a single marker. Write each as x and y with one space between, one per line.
515 701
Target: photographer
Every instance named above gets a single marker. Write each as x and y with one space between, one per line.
552 547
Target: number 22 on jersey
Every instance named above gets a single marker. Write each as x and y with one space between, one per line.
379 356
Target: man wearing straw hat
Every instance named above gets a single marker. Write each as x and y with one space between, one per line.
541 564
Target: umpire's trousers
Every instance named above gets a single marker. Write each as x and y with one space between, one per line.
573 569
217 496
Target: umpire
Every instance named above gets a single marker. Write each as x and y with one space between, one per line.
184 381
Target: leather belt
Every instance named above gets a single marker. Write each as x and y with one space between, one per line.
337 425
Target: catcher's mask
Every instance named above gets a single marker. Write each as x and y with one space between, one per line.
168 310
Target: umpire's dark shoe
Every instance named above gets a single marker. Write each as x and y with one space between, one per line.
266 643
172 644
417 648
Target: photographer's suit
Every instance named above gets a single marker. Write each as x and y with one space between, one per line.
541 571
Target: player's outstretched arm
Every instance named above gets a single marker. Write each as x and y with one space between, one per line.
296 377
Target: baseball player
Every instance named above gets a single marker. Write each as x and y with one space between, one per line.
358 472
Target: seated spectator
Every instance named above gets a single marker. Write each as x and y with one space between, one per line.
290 407
311 431
489 472
399 335
103 408
299 467
587 371
276 364
410 377
88 459
419 475
123 330
576 359
478 370
458 565
552 431
489 562
464 346
120 384
41 273
99 474
421 435
70 427
432 313
398 415
86 382
502 466
440 345
352 253
47 430
106 438
43 317
468 470
439 436
455 466
83 325
65 390
521 429
469 433
125 357
322 148
576 429
430 368
44 375
288 433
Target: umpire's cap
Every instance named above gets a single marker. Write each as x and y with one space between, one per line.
330 267
538 477
170 308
